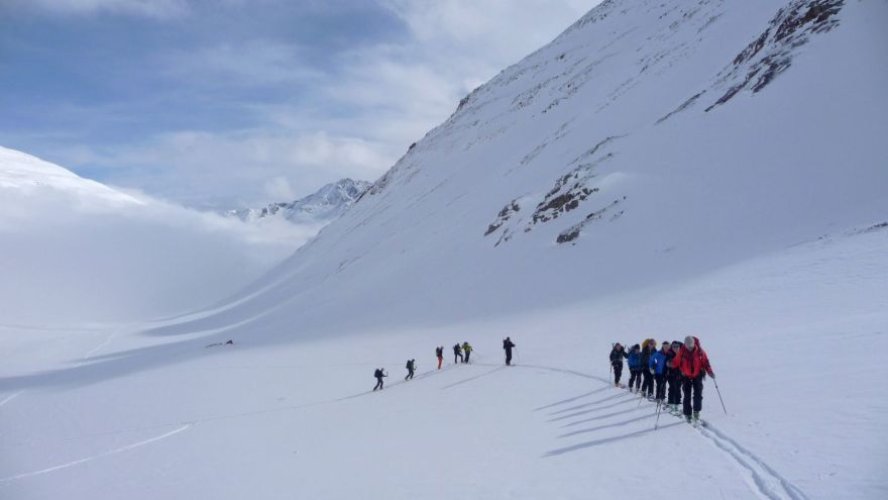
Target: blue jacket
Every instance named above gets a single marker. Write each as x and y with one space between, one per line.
635 360
658 363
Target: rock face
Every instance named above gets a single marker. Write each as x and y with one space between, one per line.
326 204
649 143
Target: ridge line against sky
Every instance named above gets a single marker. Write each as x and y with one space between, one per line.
215 104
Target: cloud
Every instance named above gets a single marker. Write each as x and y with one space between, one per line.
194 165
72 252
255 63
143 8
210 119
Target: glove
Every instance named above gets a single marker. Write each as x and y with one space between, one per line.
712 374
653 372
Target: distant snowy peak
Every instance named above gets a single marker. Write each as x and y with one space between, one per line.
326 204
30 175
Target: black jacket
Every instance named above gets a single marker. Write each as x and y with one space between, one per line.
616 356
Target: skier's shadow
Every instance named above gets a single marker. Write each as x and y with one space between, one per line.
571 400
598 442
476 377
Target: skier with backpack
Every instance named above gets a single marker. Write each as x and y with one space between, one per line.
634 360
693 363
657 365
647 383
673 377
616 360
411 367
467 348
439 353
379 374
508 345
457 354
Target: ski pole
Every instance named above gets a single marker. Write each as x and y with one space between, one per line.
657 425
719 395
517 355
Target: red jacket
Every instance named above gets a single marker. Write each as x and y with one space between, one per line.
692 363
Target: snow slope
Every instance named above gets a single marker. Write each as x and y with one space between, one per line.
660 169
788 334
584 141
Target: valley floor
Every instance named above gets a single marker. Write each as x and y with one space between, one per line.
796 340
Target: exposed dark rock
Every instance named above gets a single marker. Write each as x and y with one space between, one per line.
771 53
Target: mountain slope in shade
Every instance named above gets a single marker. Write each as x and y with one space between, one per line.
326 204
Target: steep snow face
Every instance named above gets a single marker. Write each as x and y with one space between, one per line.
650 142
72 249
328 203
28 174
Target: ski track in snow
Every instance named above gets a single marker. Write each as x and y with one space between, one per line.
763 480
768 483
96 457
11 397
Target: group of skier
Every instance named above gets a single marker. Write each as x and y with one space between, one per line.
461 354
671 376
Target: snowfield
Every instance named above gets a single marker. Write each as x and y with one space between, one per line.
789 336
661 169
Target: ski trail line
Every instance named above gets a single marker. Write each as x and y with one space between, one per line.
96 457
10 398
98 347
766 480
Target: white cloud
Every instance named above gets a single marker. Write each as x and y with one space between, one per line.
351 115
200 164
73 250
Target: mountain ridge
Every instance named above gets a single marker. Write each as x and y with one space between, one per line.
324 205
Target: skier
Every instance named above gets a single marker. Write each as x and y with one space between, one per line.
379 374
634 360
411 367
693 363
439 352
647 384
457 354
508 345
673 376
467 348
616 359
658 367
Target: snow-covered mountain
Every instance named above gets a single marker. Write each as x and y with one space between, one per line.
23 173
650 142
705 167
326 204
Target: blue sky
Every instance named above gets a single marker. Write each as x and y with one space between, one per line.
220 103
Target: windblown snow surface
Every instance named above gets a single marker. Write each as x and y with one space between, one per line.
660 169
